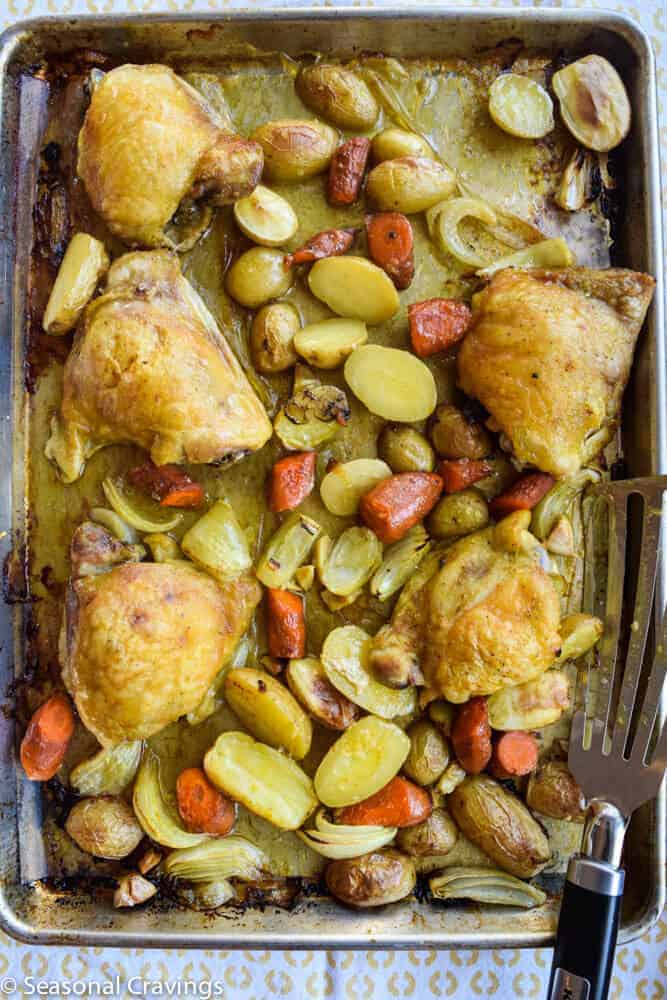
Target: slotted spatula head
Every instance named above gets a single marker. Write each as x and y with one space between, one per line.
617 752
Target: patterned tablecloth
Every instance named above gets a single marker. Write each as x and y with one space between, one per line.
641 967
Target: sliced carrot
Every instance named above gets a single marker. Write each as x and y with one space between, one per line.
346 173
292 480
514 754
400 803
201 806
47 737
525 494
437 324
471 736
390 245
459 473
399 502
170 485
184 496
329 243
286 625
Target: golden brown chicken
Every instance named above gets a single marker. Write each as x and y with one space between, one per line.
149 140
150 366
549 354
142 643
480 616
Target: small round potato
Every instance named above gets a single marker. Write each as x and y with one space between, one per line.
258 276
354 287
104 826
373 879
295 149
328 343
436 835
338 95
409 184
458 514
272 338
393 143
553 791
429 752
265 217
520 106
455 436
405 449
343 487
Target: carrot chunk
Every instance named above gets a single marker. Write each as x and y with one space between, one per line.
400 803
292 480
47 737
399 502
168 484
346 173
390 245
286 625
525 494
201 806
459 473
437 324
329 243
471 736
514 754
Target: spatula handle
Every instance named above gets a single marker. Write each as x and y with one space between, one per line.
587 929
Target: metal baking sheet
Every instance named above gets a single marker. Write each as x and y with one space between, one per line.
33 912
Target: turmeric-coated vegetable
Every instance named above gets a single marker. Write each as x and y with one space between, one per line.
346 172
286 624
459 473
329 243
168 484
400 803
525 494
399 502
292 480
437 324
471 736
201 806
390 245
47 737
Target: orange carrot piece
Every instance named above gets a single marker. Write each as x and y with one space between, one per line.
525 494
390 245
47 737
400 803
201 806
399 502
437 324
346 173
292 480
459 473
168 484
471 736
329 243
286 624
184 496
514 755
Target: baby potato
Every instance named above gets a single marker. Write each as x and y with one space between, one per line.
295 149
84 263
104 826
409 184
391 383
429 752
458 514
338 95
553 791
326 344
311 687
264 780
343 487
354 287
436 835
268 710
258 276
593 102
361 762
394 143
265 217
500 825
405 449
455 436
520 106
532 705
372 880
272 338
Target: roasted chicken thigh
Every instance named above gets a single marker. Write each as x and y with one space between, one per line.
549 355
150 366
148 141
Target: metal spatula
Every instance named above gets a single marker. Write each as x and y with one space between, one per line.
617 752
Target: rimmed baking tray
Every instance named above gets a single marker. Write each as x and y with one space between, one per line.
32 912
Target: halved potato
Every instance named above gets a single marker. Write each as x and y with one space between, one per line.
268 710
84 263
345 661
328 343
520 106
343 487
312 688
354 287
593 102
361 762
392 383
533 705
265 217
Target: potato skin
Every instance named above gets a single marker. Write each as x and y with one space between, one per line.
409 184
272 337
268 710
500 825
372 880
429 752
436 835
104 826
553 791
405 450
295 149
454 436
458 514
338 95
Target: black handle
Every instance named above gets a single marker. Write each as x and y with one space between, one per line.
585 943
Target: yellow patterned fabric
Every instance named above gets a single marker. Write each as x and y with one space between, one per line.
641 967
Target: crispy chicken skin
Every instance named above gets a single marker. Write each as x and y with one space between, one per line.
141 644
148 141
150 366
481 616
549 354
